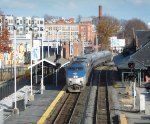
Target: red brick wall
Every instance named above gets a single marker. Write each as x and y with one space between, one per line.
100 11
77 49
86 32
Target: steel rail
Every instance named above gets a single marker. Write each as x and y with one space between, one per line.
67 109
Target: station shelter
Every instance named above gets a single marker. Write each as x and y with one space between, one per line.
49 70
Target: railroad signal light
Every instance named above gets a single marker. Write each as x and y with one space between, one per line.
131 77
131 65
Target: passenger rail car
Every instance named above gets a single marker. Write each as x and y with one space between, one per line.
77 73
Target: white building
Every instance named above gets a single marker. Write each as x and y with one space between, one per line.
149 25
24 24
117 44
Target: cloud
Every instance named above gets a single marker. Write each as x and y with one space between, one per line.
65 4
18 4
139 2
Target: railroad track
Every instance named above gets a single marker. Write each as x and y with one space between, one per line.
65 113
89 106
78 112
71 108
102 104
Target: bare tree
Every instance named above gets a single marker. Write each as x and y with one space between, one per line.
1 12
108 26
133 24
79 18
47 17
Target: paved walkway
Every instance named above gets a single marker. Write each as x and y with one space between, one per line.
36 108
140 117
133 116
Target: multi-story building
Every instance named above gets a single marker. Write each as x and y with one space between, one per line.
1 22
85 31
24 24
71 32
64 31
72 35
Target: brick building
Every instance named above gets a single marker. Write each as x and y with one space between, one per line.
71 34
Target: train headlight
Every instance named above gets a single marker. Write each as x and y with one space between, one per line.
75 76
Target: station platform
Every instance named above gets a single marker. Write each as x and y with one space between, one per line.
123 108
35 109
140 117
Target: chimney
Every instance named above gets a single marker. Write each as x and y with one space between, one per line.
100 11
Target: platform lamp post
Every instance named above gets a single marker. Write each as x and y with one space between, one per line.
57 53
47 36
96 43
77 40
16 110
48 44
82 47
31 29
42 79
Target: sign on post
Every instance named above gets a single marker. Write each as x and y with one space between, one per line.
35 53
142 102
71 48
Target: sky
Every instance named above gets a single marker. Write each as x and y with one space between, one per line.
121 9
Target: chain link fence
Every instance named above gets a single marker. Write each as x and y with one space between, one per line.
8 73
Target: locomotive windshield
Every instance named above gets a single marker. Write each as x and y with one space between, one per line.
75 68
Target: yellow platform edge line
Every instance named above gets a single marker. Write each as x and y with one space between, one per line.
51 107
123 119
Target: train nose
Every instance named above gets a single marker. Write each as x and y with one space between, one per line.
75 87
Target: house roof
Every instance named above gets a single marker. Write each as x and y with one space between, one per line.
143 36
122 62
143 55
52 60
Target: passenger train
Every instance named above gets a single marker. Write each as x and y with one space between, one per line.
77 73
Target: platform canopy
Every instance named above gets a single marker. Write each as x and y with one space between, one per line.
51 60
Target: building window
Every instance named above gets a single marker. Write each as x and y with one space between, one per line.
41 22
11 21
41 28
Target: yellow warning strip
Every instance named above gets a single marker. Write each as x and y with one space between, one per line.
51 107
123 119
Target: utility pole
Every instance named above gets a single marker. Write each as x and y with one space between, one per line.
96 43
